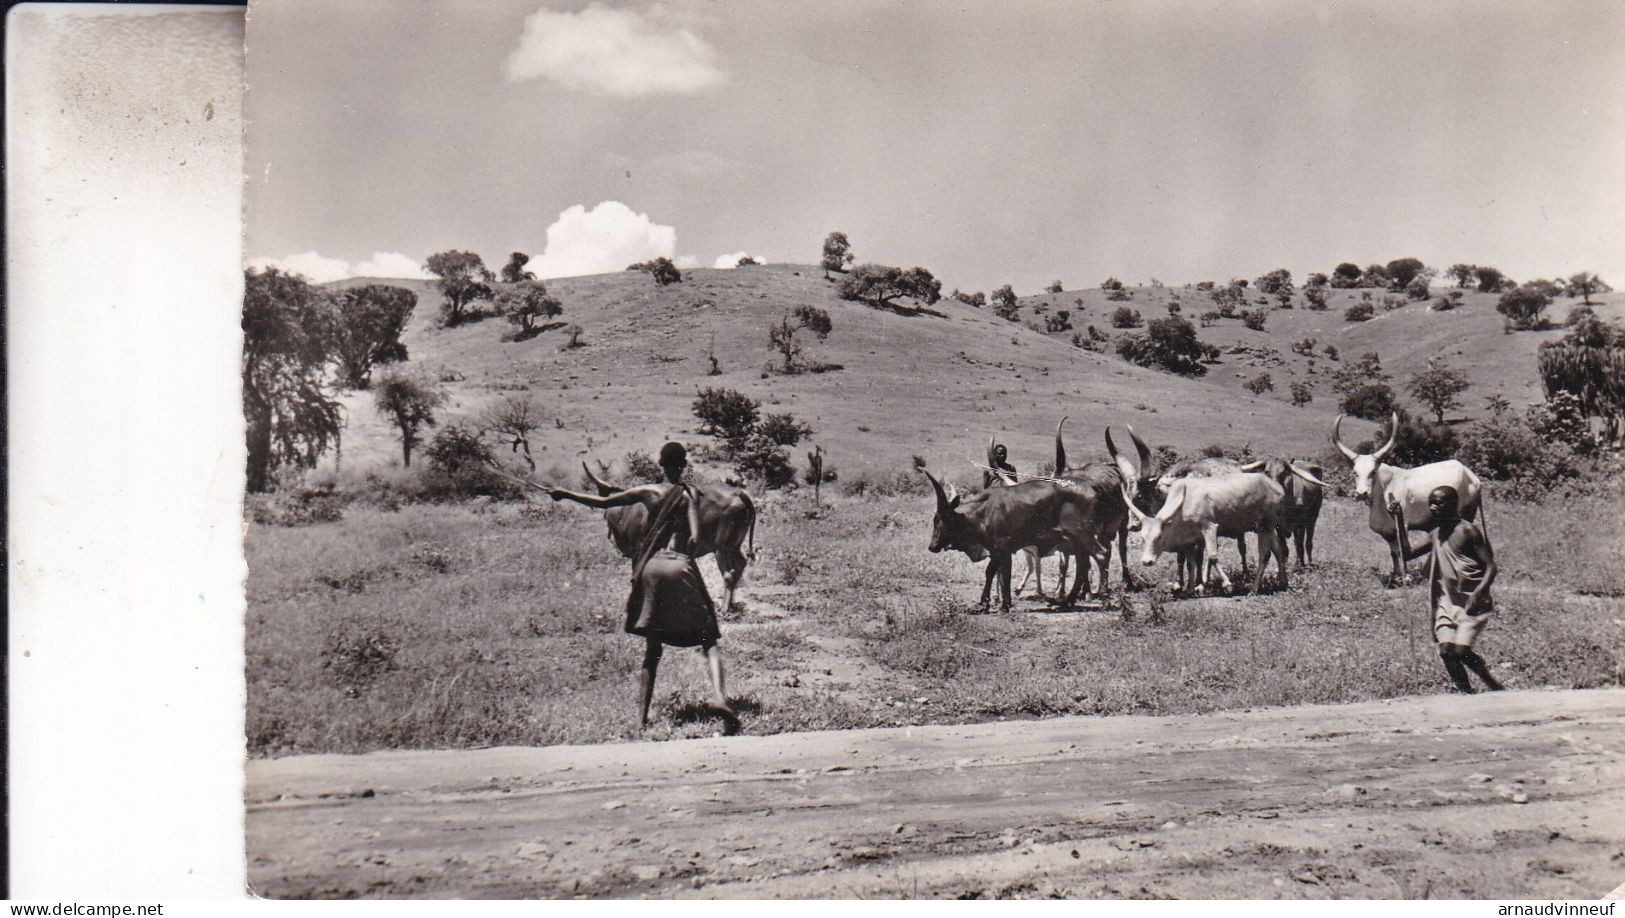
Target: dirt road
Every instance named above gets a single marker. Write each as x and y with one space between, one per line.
1519 794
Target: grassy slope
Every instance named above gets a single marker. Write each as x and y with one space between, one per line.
1469 338
911 384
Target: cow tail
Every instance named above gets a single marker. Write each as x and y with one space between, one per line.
1483 516
750 550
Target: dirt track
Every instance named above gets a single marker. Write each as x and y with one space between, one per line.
1520 794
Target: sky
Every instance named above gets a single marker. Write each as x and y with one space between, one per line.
990 142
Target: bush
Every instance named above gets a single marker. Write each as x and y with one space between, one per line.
1260 384
1255 318
725 414
1522 306
1124 317
1302 394
461 467
1372 402
1562 419
1359 312
1004 304
641 468
1419 441
1507 449
1169 344
1330 352
1391 303
783 429
1060 321
761 459
1315 298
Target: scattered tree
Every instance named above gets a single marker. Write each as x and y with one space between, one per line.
1371 401
409 402
977 299
1060 321
881 285
525 303
1401 271
514 271
726 414
1255 318
1585 284
663 270
514 417
1522 306
1167 344
1054 287
837 253
464 279
1346 274
1489 279
1004 304
1124 317
1589 363
782 336
1273 282
1463 274
1438 387
368 329
1315 297
1302 394
1260 384
1359 312
745 261
1418 288
287 342
575 332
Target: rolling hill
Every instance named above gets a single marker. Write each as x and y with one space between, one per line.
934 384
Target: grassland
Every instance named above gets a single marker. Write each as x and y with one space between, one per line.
464 626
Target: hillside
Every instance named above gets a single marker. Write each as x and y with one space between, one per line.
934 384
1469 338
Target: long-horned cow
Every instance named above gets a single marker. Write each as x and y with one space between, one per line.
1000 473
1047 515
1399 496
1198 509
1105 482
727 528
1304 496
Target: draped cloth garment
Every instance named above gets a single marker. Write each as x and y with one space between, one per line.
669 602
1452 578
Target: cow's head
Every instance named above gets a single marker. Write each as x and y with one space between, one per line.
1137 473
604 488
1153 528
1365 464
950 529
1281 471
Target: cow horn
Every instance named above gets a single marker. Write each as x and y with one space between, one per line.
1393 437
1305 474
991 446
1139 446
942 499
1256 465
1060 450
1176 499
1128 498
1125 468
604 487
1337 439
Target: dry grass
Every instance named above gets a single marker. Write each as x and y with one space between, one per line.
457 626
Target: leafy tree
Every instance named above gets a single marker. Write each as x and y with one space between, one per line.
880 285
1346 274
287 341
1167 344
458 449
1367 368
1255 318
526 302
1462 273
409 402
575 332
464 279
746 261
1274 281
368 329
1418 288
1061 321
1585 284
1124 317
514 417
1302 394
1522 306
514 271
663 271
1054 287
1371 401
1401 271
837 253
977 299
783 335
1375 275
1228 299
1316 280
783 429
1438 387
1589 363
1004 304
1489 279
1315 297
1359 312
726 413
1110 284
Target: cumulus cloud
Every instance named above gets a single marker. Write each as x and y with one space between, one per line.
319 269
602 240
729 261
686 262
621 53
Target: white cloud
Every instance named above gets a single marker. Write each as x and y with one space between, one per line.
729 261
686 262
319 269
618 52
602 240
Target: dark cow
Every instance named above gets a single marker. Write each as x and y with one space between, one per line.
1303 499
727 524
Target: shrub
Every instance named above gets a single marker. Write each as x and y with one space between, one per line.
1168 344
1302 394
1330 352
1173 308
1210 318
1372 401
1111 283
1445 303
1260 384
725 414
1506 448
761 459
1124 317
1562 418
1419 441
1439 388
783 429
1359 312
1315 298
1060 321
1418 288
663 270
1255 318
575 332
1004 304
1522 306
1391 303
1053 288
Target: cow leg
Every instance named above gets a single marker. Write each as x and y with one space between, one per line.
1060 577
1004 580
1402 571
987 583
732 565
1241 546
1028 576
1080 578
1210 544
1122 558
1309 541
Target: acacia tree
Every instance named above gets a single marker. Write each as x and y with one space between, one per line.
288 334
1401 271
782 336
1004 304
514 417
1523 305
1439 388
409 402
1346 274
881 285
1489 279
1462 274
837 253
368 329
514 271
464 279
663 270
525 303
1585 284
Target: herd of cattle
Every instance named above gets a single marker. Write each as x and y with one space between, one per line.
1080 510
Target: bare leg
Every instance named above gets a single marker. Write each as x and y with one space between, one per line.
1453 666
646 679
1476 663
719 692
